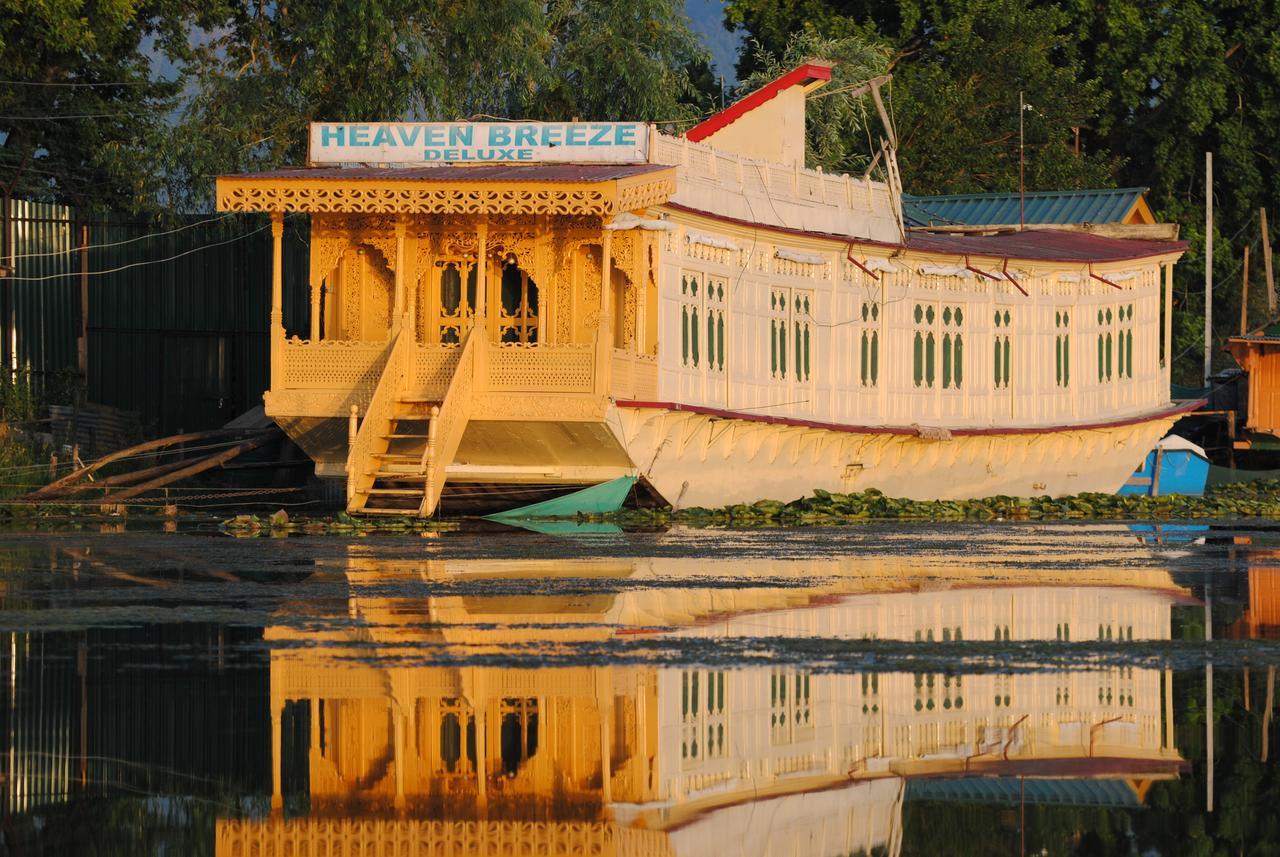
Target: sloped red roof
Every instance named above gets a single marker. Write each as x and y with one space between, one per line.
796 77
1049 245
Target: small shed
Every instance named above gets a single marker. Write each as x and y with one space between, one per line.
1258 354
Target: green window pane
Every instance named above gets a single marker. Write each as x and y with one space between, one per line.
693 335
799 354
782 349
1006 318
866 312
997 318
684 335
946 361
930 360
806 350
917 358
773 347
1006 361
959 359
866 357
1101 357
919 313
1057 361
928 315
684 285
1109 348
996 377
711 338
875 312
875 357
720 340
1066 360
946 315
959 317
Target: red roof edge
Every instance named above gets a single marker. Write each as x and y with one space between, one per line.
798 76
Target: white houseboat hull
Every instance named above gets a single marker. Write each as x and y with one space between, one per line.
707 458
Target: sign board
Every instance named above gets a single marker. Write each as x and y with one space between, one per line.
478 142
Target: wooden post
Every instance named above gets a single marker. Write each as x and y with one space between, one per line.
482 257
82 346
1244 294
1208 703
1266 712
398 302
604 327
1208 266
1266 263
277 298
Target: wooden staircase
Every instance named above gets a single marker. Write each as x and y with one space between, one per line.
396 477
397 456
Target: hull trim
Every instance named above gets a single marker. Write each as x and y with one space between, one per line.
1163 413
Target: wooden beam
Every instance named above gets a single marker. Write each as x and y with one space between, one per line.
1244 293
138 449
198 467
1266 263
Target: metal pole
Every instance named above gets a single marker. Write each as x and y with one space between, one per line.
1022 163
1208 266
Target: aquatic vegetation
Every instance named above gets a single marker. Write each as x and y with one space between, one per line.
1239 500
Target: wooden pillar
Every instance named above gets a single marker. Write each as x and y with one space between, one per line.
277 298
482 764
277 799
482 286
604 327
1168 319
397 716
398 302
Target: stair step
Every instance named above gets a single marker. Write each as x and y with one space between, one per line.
404 437
405 512
401 456
417 400
394 492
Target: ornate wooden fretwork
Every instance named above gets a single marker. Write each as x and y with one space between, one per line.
406 196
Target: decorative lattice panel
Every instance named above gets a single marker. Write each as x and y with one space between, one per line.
559 369
331 364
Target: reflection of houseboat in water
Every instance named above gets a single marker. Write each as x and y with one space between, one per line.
701 313
639 759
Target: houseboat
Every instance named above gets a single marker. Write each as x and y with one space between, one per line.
501 313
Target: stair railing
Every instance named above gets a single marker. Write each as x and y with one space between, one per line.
397 374
449 421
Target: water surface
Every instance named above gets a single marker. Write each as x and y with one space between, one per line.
923 689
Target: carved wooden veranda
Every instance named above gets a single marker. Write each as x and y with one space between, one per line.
436 300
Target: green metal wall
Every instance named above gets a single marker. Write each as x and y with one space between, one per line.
178 313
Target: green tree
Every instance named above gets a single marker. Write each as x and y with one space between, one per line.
959 66
837 126
83 109
273 68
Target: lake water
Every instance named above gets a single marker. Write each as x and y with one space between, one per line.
1091 689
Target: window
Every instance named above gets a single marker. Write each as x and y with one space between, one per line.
778 303
1062 349
702 715
952 348
790 712
715 291
790 322
690 285
923 346
869 374
1000 359
1124 342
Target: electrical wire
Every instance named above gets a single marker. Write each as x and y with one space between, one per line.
78 248
138 264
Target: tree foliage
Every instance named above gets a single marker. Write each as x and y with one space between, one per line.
1148 87
839 135
274 68
83 110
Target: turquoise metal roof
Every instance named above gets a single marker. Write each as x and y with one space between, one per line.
1008 790
1107 205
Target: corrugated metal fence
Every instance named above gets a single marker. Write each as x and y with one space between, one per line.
177 313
